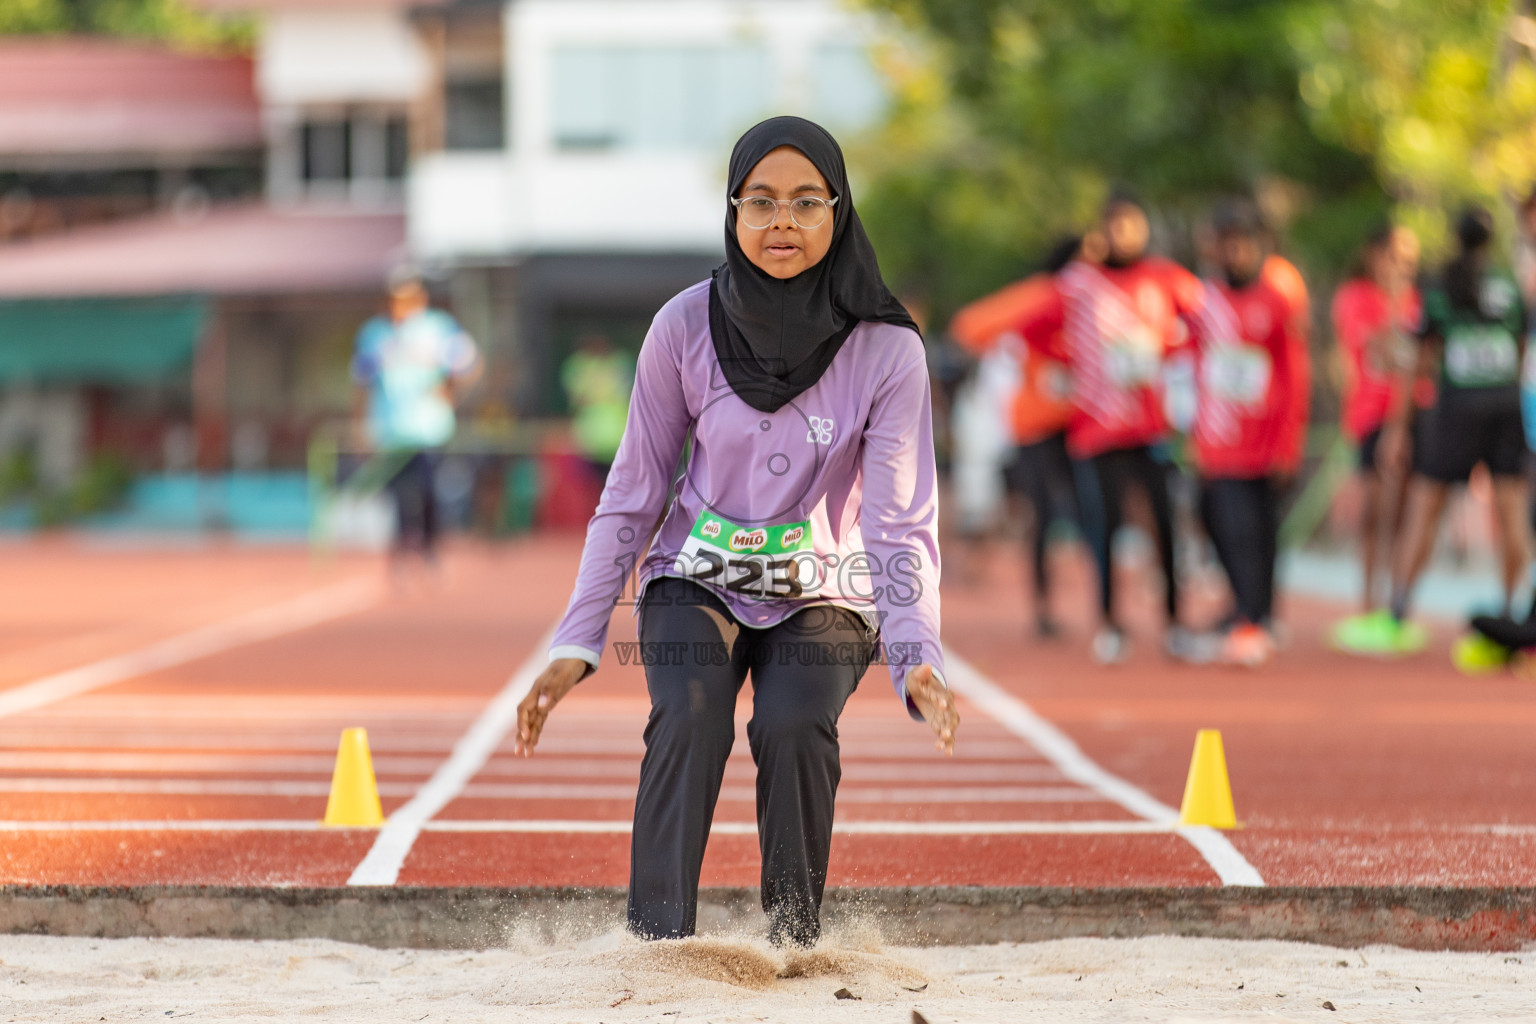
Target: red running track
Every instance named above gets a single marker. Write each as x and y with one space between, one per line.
211 765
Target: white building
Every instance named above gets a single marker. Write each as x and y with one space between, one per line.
623 109
602 192
561 162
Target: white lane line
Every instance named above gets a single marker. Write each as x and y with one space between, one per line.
124 740
631 746
187 787
578 827
857 770
216 712
299 613
864 828
113 761
1020 719
967 795
382 864
231 825
622 791
230 759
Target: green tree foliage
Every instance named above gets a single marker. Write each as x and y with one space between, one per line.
1439 94
955 212
1015 116
171 21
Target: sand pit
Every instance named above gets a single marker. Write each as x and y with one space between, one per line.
615 979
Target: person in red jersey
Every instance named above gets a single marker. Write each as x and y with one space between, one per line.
1111 324
1282 276
1374 314
1253 377
1038 413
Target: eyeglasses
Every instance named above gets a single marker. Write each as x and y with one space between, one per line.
760 212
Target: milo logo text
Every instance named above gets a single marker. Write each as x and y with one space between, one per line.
792 536
711 528
748 540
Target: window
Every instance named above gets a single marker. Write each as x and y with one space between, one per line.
473 113
397 147
657 97
365 145
327 150
846 89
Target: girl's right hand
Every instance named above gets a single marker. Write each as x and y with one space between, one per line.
552 685
936 704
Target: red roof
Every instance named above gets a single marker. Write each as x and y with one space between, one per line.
241 250
82 96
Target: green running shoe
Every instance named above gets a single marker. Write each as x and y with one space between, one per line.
1380 635
1477 655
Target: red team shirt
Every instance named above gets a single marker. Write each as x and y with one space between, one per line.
1360 310
1042 406
1112 328
1281 275
1254 375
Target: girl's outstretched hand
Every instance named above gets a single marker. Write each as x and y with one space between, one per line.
553 684
936 704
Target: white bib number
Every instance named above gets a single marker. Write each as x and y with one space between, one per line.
1480 356
1236 373
1132 360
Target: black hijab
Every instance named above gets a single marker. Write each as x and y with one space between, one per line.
774 339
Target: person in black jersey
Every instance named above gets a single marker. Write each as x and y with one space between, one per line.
1473 328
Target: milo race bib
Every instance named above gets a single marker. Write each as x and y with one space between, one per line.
1481 355
1132 360
1236 373
766 561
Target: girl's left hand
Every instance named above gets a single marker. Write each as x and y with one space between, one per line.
936 704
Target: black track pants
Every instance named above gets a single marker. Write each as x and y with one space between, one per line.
1242 518
1043 473
416 503
803 672
1103 481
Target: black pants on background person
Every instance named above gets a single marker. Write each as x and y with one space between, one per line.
1042 473
803 672
1103 482
416 503
1242 518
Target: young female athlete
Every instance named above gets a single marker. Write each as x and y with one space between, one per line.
1473 328
1374 314
1112 324
802 530
1253 384
1041 408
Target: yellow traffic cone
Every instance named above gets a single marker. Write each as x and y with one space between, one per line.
1208 792
354 797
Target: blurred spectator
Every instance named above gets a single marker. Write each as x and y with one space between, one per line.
1373 313
979 443
1036 411
1254 386
1525 248
1472 329
1113 325
598 379
410 364
1281 275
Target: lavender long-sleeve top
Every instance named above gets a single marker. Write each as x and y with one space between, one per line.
850 459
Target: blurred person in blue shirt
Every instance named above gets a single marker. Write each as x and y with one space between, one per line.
410 364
